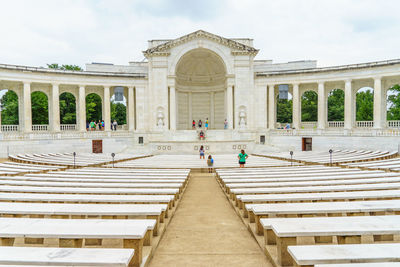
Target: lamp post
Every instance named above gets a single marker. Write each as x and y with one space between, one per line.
113 155
74 154
291 158
330 156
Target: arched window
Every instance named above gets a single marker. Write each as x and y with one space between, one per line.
93 107
40 108
67 108
9 107
309 106
336 105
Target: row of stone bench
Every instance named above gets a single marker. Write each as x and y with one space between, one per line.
80 214
332 189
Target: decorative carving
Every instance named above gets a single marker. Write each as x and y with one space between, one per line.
160 117
242 117
236 46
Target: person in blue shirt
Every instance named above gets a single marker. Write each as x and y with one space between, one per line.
210 163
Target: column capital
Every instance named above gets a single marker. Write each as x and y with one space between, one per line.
55 84
82 86
271 84
296 84
349 80
131 87
321 82
106 86
376 78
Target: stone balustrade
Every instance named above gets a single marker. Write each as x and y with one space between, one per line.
336 124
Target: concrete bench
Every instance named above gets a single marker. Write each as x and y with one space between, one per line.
90 185
94 190
353 208
313 183
76 233
279 233
313 197
40 256
331 254
310 177
157 212
80 198
93 179
310 189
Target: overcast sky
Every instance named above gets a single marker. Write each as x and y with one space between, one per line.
334 32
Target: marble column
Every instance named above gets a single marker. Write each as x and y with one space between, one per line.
190 109
55 108
0 119
27 108
131 109
140 108
81 116
321 106
172 108
211 120
229 106
271 107
349 106
106 109
378 108
296 106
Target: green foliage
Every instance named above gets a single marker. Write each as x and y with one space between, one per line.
67 108
118 113
284 110
309 106
93 107
40 110
64 67
365 105
336 105
393 102
9 108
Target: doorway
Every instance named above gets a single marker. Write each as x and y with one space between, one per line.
306 144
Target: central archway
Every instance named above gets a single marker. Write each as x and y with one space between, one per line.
200 89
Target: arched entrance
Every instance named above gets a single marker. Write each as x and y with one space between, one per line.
200 89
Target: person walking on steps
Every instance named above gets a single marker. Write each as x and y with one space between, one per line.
200 123
210 163
206 124
194 125
202 152
242 158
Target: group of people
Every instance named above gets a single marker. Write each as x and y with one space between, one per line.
242 157
206 124
99 126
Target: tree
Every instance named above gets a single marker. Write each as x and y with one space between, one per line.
67 108
393 102
284 110
365 105
118 112
40 110
309 106
93 107
64 67
336 105
9 108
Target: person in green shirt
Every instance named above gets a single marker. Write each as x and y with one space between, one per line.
242 158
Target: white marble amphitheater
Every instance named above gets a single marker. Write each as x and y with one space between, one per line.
155 203
199 76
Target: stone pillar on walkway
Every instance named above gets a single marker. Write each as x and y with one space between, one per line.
131 109
81 116
349 106
296 106
271 107
321 106
55 108
378 108
27 108
106 108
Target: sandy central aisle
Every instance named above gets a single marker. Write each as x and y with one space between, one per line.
205 231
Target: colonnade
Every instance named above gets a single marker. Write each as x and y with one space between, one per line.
379 108
25 108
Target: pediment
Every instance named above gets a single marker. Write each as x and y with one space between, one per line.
236 47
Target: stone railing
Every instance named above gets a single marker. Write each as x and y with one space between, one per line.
308 125
9 128
336 132
280 125
123 127
68 127
393 124
336 124
365 124
40 128
40 135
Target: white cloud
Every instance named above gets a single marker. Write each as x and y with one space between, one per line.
333 32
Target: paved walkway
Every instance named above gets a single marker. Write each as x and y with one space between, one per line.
206 231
